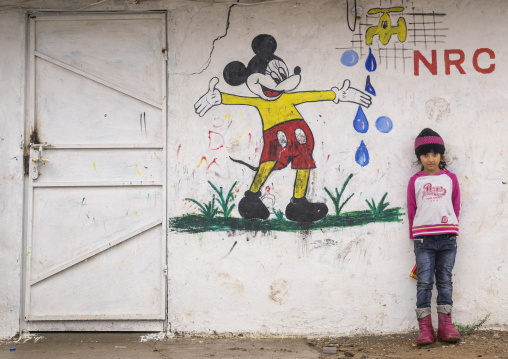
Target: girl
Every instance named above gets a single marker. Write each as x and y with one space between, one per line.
433 204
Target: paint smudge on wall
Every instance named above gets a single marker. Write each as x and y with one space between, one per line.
139 173
279 291
437 109
95 168
215 140
178 154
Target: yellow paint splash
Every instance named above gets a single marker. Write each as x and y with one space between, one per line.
203 159
95 168
139 173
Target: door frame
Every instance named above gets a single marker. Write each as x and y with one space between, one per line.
155 324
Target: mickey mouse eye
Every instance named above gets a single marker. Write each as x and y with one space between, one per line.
278 70
283 73
275 77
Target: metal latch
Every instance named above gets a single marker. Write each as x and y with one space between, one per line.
35 167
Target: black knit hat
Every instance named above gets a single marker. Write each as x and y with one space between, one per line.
428 141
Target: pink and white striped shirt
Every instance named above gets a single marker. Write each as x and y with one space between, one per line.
433 204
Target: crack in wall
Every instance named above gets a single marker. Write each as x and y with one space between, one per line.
207 63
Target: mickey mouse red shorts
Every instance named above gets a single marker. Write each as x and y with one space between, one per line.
291 141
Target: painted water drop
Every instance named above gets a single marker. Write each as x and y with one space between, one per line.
362 155
369 88
349 58
384 124
360 122
370 63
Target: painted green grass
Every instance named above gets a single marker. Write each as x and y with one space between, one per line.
338 195
193 223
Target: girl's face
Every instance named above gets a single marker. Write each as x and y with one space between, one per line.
430 162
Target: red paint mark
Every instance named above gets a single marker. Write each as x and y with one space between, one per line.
216 140
219 121
482 70
261 264
250 139
327 158
214 161
432 67
267 189
177 154
457 62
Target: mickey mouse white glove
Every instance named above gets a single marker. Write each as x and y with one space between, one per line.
350 94
208 100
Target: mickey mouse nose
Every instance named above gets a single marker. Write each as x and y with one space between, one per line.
298 70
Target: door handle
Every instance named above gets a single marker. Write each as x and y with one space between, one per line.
35 173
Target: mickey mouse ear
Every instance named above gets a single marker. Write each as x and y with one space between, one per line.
235 73
264 45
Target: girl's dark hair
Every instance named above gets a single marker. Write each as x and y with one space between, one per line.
442 163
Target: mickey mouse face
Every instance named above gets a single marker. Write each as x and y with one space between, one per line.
266 75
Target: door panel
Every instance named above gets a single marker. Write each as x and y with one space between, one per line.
95 166
71 109
96 242
125 50
94 217
113 282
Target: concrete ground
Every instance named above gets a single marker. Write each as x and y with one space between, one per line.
481 344
139 346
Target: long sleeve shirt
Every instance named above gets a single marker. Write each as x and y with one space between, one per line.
282 109
433 204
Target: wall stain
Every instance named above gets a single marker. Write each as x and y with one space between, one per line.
279 290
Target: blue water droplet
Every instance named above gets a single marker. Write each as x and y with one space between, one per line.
384 124
370 63
360 122
362 155
369 88
349 58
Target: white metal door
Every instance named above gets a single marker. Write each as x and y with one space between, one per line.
96 239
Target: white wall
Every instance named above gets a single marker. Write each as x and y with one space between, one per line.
333 281
352 280
12 79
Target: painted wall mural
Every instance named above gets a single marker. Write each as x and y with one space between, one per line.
396 45
287 139
384 29
388 38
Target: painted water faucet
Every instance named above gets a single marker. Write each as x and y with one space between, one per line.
287 137
384 29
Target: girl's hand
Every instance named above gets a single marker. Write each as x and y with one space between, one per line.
350 94
208 100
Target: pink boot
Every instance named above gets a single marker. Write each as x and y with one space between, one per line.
446 332
426 331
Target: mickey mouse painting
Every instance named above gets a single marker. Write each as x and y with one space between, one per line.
287 137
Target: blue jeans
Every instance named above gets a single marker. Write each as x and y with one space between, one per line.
435 256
